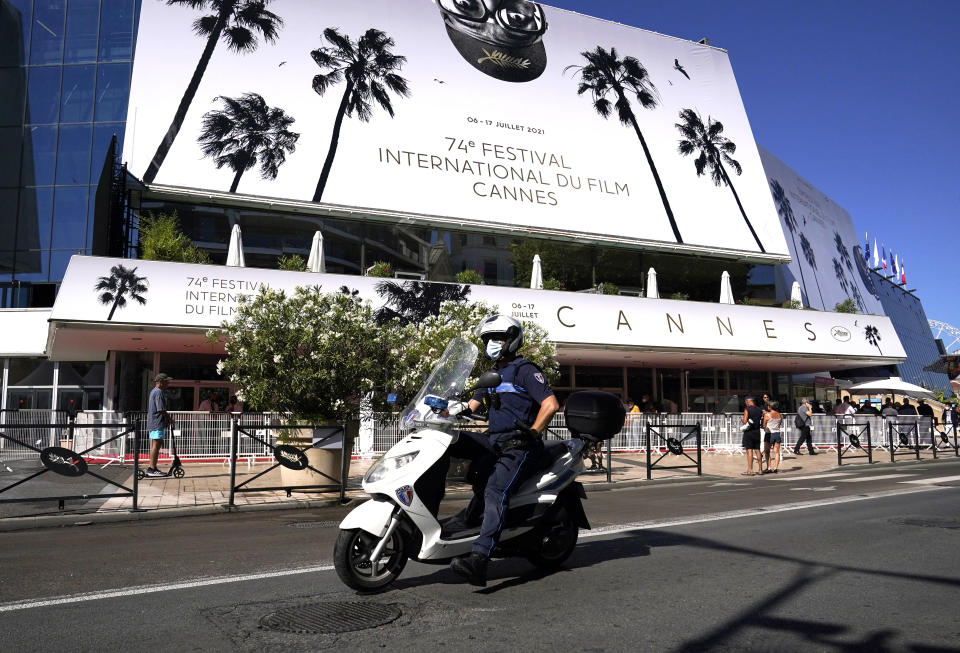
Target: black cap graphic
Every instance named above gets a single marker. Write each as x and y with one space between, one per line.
504 43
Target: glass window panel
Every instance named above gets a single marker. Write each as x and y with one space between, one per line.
12 96
32 266
43 98
76 103
113 87
30 371
10 143
81 41
18 56
73 155
58 263
8 202
33 225
39 156
46 42
69 221
101 141
116 30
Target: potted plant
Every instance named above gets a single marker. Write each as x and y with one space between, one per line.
311 356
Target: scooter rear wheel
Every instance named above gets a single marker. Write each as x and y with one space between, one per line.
554 545
351 558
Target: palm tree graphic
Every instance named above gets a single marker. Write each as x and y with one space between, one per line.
714 149
785 210
842 250
841 274
237 22
247 132
415 301
873 337
115 288
604 74
811 259
369 68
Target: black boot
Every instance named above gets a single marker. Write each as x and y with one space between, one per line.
473 567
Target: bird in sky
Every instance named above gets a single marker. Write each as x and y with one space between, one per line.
281 63
677 66
439 81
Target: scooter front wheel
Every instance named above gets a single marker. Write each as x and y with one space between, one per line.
351 558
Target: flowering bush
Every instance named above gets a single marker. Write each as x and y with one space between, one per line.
315 355
473 277
312 355
425 341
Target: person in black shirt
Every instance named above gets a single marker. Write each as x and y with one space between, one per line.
752 420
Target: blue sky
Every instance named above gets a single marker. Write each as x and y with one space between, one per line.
859 97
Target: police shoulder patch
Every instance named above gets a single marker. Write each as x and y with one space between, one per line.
539 377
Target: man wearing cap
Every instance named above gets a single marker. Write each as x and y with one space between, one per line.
158 419
501 38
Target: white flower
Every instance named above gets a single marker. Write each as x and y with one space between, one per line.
219 367
277 358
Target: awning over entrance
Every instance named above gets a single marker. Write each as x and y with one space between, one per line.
178 302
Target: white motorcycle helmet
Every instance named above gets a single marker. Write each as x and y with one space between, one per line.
502 327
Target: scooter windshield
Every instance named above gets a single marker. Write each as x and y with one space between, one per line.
447 380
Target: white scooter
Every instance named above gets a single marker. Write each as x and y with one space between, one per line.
405 485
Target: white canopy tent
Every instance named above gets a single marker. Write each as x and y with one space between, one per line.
235 249
652 290
796 296
892 385
726 290
316 262
536 274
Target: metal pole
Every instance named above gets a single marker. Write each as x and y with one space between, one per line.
609 459
234 436
343 464
648 451
916 438
136 461
890 437
699 447
869 446
839 446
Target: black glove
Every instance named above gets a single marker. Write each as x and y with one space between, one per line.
526 431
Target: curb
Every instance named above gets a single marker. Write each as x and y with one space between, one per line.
87 519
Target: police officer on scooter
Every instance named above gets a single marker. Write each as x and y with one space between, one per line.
508 453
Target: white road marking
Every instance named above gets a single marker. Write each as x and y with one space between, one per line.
152 589
827 488
812 477
596 532
932 481
750 512
881 477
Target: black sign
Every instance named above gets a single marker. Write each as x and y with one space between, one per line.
675 446
290 457
854 440
63 461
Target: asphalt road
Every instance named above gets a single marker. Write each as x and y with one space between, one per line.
858 560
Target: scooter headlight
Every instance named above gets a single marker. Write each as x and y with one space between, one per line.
388 465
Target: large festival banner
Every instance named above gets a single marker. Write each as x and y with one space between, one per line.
827 260
521 116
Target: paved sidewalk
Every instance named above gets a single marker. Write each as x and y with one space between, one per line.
205 488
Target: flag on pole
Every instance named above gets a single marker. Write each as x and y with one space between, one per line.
884 257
903 274
866 248
876 255
896 266
890 256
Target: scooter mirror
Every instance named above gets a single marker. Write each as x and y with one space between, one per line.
490 379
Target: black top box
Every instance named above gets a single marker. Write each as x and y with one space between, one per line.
599 414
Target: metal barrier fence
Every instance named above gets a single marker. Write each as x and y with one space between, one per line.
205 436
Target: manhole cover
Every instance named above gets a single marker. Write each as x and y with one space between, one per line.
929 522
313 524
334 617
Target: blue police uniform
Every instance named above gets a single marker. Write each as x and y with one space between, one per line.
518 397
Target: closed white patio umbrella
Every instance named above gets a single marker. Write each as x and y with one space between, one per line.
726 290
796 295
316 262
652 290
235 250
536 274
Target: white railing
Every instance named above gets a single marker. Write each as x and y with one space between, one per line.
205 436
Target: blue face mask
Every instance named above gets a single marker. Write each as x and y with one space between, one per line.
494 349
